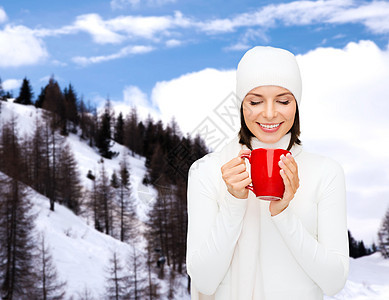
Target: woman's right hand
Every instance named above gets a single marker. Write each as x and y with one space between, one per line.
236 177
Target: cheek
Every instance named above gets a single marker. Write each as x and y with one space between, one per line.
289 114
249 114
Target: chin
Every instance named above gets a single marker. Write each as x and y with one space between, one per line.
268 139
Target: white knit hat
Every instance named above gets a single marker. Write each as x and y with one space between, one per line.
268 66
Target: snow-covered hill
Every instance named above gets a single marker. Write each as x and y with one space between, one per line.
82 254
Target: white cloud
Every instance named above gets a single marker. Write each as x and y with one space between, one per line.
97 27
173 43
344 95
11 84
193 97
293 13
374 15
20 47
121 4
3 15
134 97
147 27
126 51
119 29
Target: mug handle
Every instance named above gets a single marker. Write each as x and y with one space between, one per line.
248 156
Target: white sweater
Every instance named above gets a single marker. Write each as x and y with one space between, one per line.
237 251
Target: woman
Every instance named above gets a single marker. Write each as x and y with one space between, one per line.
240 247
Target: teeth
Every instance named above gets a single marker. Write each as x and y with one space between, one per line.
269 126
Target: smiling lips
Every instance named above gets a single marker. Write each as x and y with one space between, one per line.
270 127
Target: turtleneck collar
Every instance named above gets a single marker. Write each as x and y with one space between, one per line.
283 143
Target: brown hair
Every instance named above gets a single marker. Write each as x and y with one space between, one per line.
245 134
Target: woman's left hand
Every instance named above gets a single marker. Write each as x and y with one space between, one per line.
289 174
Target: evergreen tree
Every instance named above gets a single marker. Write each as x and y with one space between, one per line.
39 157
25 94
71 111
2 93
119 130
132 137
137 283
16 223
117 282
103 139
48 284
152 289
126 207
8 95
114 180
353 245
69 188
383 236
41 98
54 102
104 202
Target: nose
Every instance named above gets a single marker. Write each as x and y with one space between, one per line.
269 111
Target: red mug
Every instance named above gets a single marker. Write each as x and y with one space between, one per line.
267 183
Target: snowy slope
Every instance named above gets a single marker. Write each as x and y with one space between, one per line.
368 279
81 253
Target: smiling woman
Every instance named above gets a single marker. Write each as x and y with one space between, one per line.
242 247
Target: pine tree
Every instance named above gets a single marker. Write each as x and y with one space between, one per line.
103 220
152 289
126 207
103 139
41 98
39 155
383 236
48 284
71 111
119 130
54 102
117 280
16 223
69 188
2 93
25 93
132 137
137 283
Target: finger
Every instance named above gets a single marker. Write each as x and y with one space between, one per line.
242 184
239 177
238 169
232 163
289 193
289 161
286 169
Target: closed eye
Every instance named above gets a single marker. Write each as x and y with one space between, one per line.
284 102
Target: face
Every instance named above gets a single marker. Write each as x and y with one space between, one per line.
269 112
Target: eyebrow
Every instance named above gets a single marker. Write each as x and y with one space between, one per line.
279 95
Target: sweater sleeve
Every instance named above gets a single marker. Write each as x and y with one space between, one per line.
326 258
213 226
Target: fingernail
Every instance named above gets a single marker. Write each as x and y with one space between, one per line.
288 155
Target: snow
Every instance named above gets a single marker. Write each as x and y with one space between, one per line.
81 253
368 279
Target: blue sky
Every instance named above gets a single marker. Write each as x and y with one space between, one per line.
103 46
177 59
